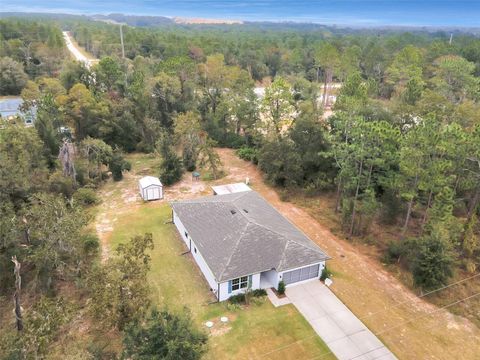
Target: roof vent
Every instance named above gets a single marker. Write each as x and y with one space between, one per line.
233 212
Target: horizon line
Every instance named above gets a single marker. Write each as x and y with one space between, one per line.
358 24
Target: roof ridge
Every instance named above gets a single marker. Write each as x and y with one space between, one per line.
283 254
316 248
233 251
199 200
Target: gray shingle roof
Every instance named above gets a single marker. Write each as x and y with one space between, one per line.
240 234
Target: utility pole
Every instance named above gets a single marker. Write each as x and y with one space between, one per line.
121 41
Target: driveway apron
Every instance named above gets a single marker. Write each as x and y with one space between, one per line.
346 336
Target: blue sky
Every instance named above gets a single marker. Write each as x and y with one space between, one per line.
352 12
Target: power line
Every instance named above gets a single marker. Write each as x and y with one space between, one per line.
287 346
401 324
394 306
421 296
376 334
430 313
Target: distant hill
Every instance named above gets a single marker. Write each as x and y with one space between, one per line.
181 20
158 21
134 20
39 16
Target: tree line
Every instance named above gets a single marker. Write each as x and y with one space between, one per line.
401 148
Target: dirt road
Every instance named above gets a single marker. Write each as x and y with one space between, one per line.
76 52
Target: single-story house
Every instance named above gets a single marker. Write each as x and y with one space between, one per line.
11 108
150 188
230 188
241 242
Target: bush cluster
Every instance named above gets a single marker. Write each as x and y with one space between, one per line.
248 153
86 196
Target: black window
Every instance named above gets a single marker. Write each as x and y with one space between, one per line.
240 283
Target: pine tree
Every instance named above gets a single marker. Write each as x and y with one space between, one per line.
433 263
171 167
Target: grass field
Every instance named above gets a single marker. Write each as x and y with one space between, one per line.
258 331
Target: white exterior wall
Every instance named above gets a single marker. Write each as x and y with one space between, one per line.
207 273
322 266
144 192
272 276
224 295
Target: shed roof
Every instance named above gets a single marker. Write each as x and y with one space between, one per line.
230 188
149 181
241 234
10 105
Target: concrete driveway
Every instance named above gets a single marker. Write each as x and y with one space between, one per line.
339 328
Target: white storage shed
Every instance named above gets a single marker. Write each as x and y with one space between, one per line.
150 188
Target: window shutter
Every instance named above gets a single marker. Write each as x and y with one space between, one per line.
230 287
249 281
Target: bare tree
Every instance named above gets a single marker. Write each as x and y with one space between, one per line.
66 157
16 295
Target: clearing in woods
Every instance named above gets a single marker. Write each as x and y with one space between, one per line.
387 307
258 331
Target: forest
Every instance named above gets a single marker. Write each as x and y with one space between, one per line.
398 148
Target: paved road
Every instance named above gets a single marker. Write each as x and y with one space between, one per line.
342 331
77 54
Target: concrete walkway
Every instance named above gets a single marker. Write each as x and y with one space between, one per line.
342 331
275 300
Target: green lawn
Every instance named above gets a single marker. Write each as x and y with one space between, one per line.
257 332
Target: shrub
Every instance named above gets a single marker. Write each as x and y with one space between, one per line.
325 274
232 307
237 299
164 335
394 251
258 300
432 266
117 165
259 292
469 265
100 350
207 176
231 140
61 184
86 196
91 243
247 153
281 288
81 175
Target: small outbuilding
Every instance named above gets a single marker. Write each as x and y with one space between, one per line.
150 188
230 188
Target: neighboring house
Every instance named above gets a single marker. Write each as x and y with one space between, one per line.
230 188
240 241
10 109
150 188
